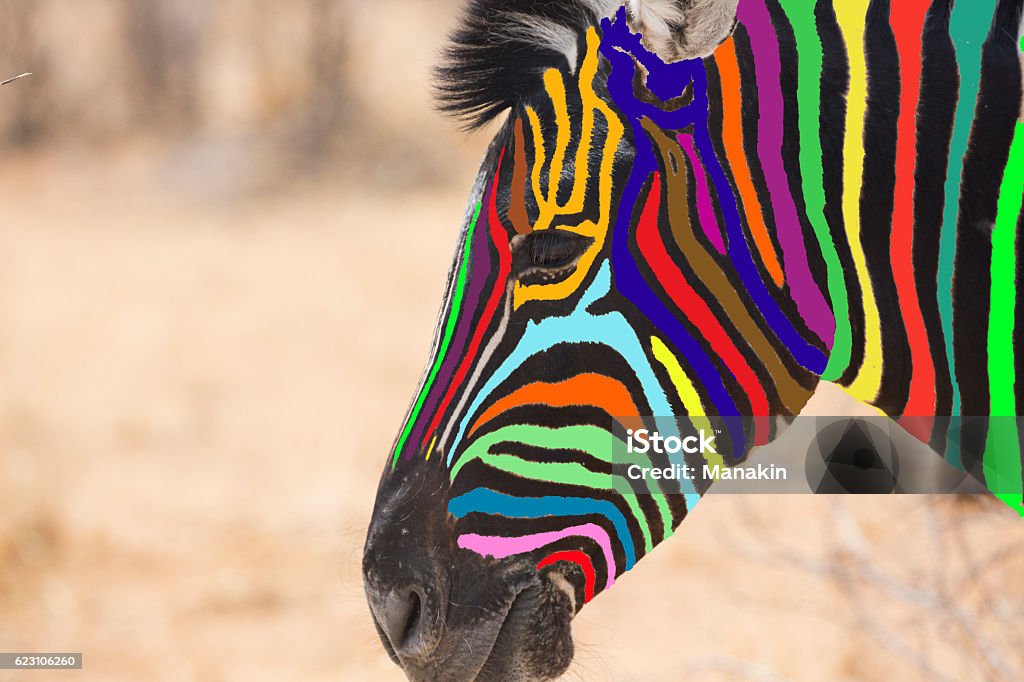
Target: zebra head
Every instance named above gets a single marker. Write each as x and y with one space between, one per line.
602 277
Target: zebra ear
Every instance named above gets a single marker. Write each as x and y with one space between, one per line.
683 29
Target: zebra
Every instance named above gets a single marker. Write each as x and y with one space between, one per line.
698 208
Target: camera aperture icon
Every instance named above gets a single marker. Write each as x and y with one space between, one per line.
852 456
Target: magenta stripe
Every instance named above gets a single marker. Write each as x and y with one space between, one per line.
705 211
810 302
500 547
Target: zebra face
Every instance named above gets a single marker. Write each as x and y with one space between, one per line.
496 519
630 258
522 356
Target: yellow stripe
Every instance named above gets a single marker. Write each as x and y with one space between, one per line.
687 392
851 15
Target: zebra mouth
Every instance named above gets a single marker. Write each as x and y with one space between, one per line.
534 640
524 638
510 625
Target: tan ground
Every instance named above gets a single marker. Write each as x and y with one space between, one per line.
195 403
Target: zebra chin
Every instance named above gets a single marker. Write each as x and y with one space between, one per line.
447 613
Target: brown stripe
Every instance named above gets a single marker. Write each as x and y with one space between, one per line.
792 394
517 209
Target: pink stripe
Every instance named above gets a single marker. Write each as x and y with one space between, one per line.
705 212
500 547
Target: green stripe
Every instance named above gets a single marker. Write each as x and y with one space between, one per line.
969 27
593 440
449 329
810 64
567 473
1002 447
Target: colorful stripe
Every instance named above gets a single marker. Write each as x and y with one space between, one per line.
574 556
501 547
908 25
968 28
707 276
732 137
852 15
808 96
1002 459
764 43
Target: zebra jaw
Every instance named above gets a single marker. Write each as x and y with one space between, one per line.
560 583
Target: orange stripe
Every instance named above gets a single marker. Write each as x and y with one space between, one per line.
732 134
583 389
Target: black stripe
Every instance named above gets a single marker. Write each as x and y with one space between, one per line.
789 79
991 135
749 115
876 201
835 82
935 113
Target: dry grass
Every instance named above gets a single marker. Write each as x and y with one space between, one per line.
203 364
195 402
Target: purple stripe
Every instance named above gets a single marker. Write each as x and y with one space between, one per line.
705 212
479 270
810 302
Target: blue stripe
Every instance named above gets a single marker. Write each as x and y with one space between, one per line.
486 501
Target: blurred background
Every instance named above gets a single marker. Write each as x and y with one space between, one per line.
224 232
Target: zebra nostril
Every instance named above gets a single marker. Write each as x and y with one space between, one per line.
406 566
402 620
413 620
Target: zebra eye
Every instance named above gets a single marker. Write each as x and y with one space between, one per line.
554 249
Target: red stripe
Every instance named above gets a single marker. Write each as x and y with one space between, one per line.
499 237
694 307
908 24
579 558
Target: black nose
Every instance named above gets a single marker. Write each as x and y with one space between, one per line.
404 588
402 617
405 599
405 565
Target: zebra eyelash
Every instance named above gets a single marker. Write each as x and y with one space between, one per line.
497 54
547 256
554 248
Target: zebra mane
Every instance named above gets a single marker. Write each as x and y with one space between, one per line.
500 49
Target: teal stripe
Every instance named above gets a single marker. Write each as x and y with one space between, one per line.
486 501
969 26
